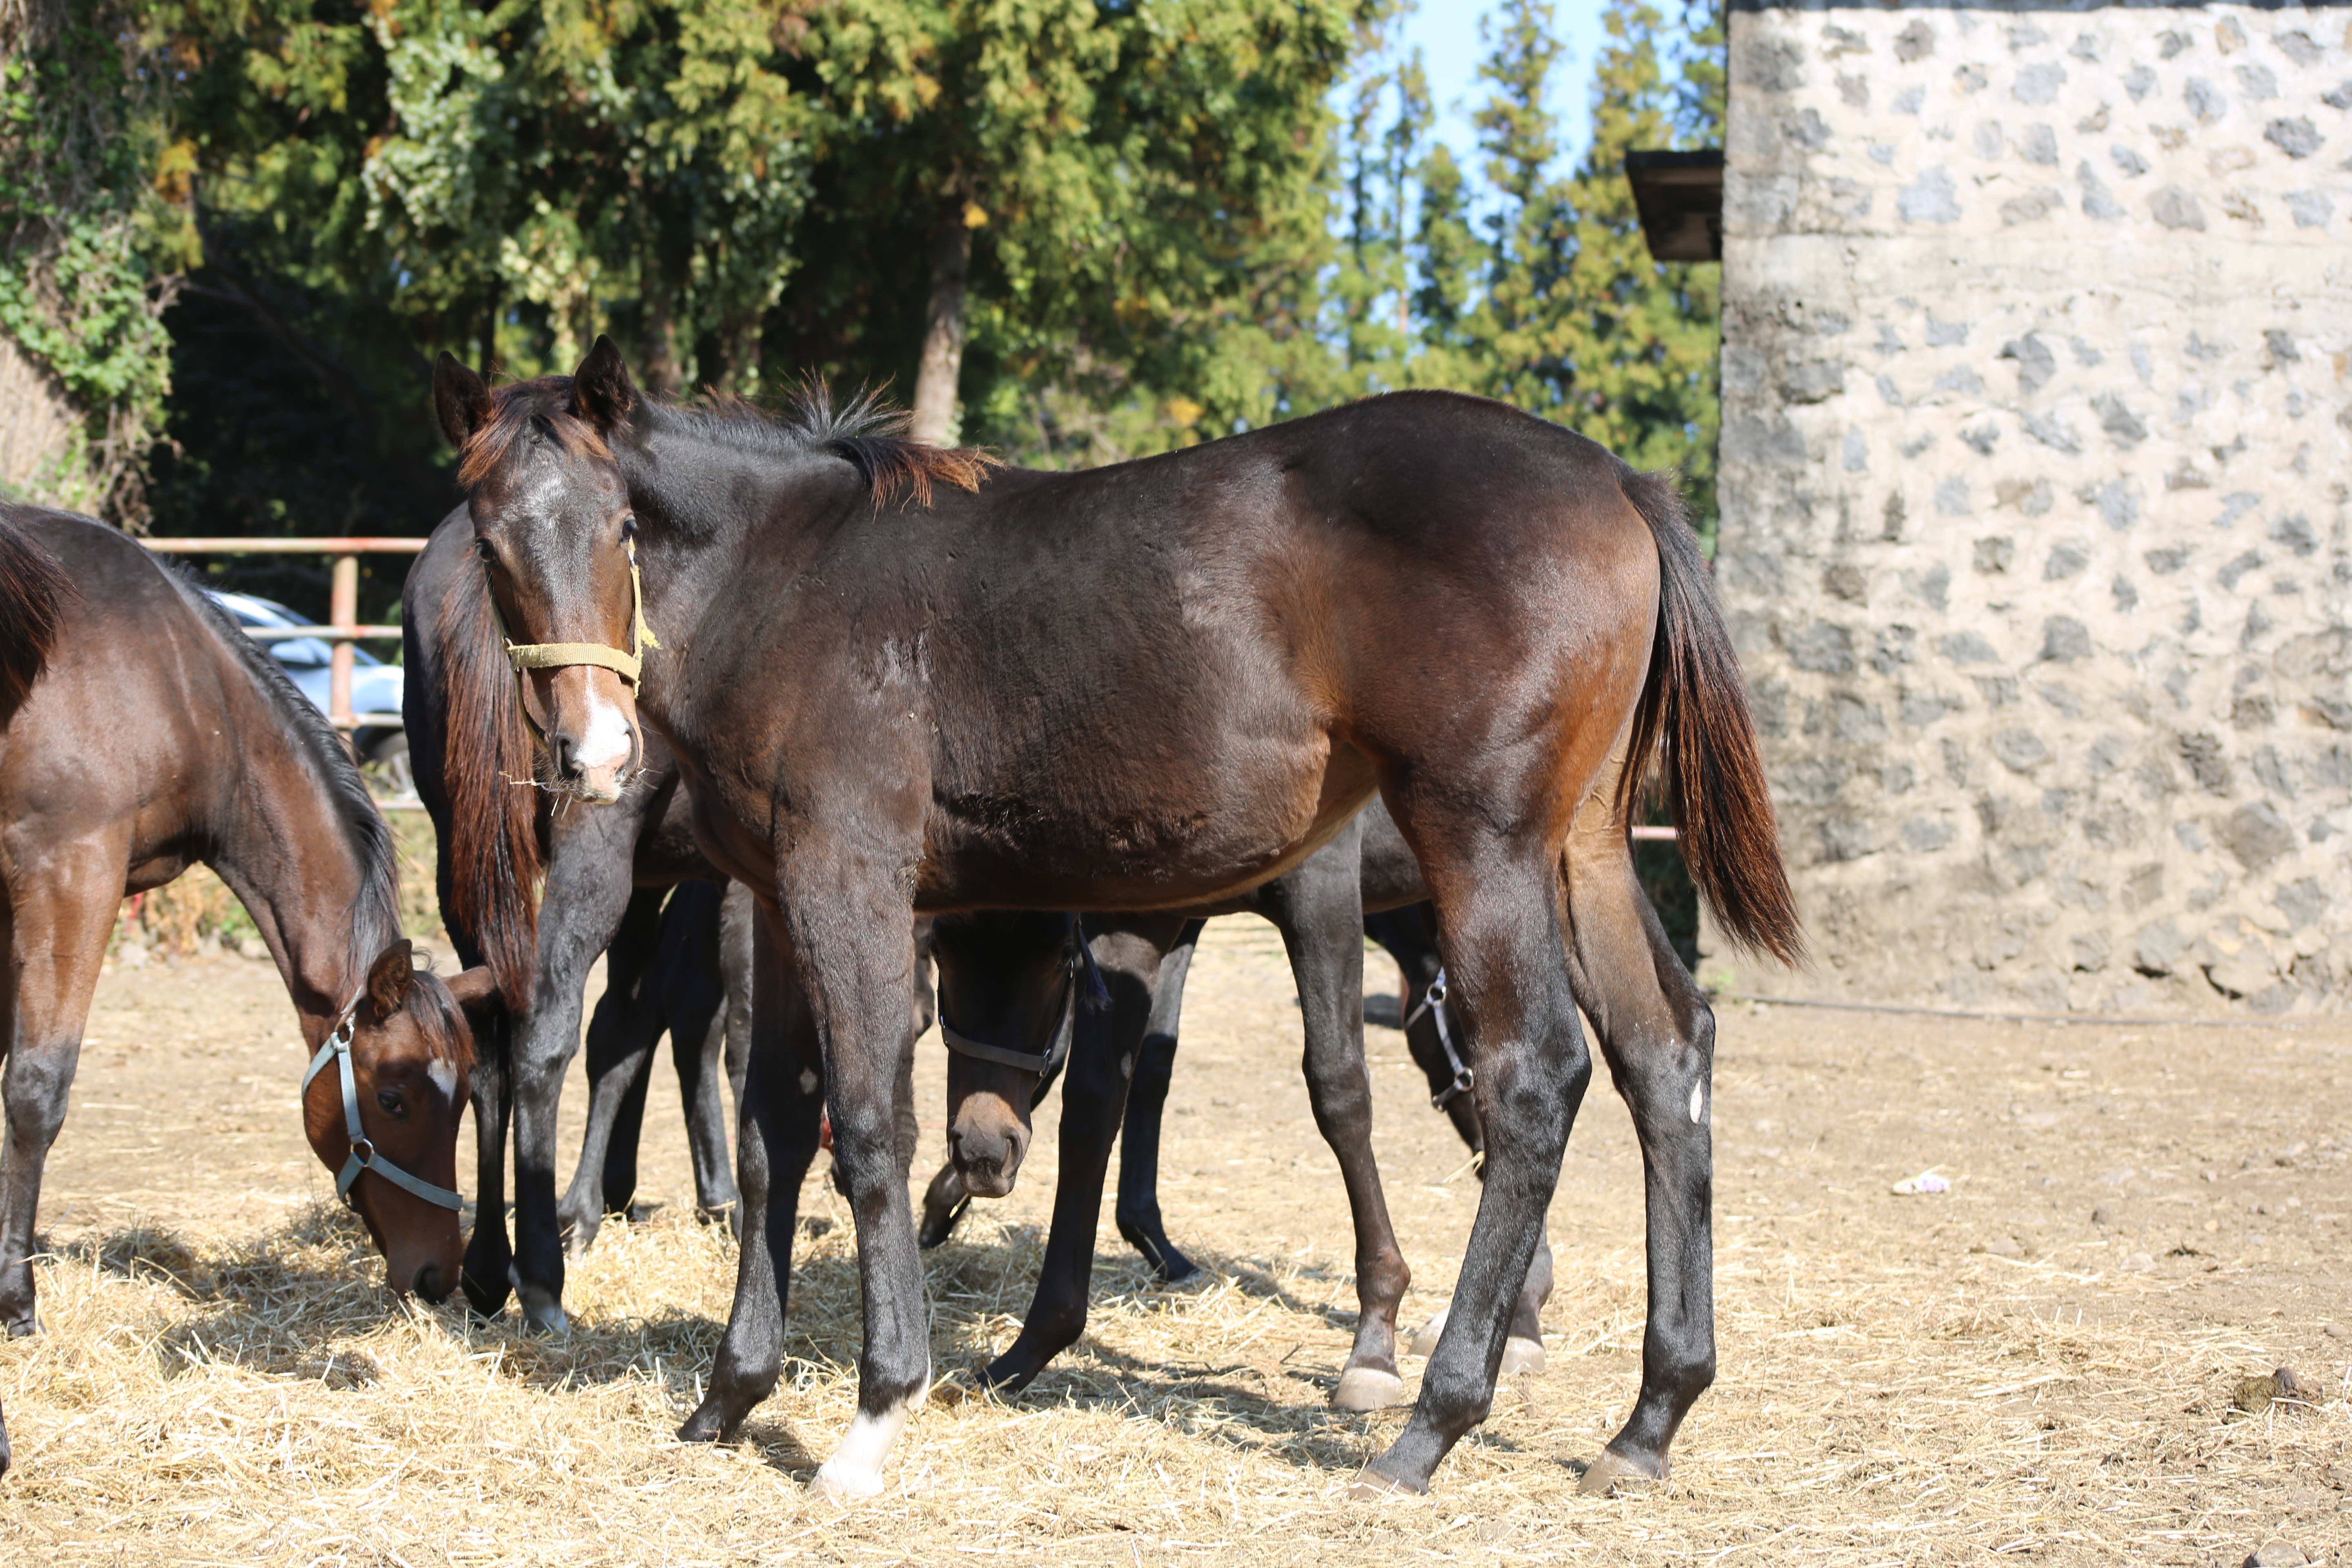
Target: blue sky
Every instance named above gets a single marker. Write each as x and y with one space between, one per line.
1447 37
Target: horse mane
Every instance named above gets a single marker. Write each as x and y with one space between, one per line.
33 591
376 913
865 432
489 770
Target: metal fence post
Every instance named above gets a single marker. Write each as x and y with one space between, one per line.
343 613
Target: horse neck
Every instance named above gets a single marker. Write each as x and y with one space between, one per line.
279 840
709 497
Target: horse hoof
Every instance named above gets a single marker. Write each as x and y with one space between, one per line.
1425 1342
1365 1388
1613 1469
1372 1486
708 1424
845 1485
24 1328
542 1311
1522 1357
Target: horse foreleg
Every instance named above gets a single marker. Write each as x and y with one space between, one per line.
622 1032
1319 910
1101 1060
588 892
487 1273
775 1142
1136 1211
62 902
853 953
1658 1036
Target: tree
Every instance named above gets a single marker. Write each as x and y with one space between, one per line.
1080 192
92 227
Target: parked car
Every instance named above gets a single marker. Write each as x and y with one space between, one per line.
375 685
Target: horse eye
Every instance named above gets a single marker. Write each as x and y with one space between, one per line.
629 528
393 1105
483 548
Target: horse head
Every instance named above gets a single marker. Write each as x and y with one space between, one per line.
553 526
1010 985
380 1108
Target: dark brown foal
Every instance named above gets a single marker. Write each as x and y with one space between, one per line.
902 681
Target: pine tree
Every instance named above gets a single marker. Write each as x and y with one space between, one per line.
1637 339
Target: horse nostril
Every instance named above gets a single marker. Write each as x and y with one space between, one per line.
430 1285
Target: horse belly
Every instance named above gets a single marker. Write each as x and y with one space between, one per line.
1160 831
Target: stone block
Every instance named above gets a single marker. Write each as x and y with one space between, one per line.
2037 531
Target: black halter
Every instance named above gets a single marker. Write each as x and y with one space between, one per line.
1047 1064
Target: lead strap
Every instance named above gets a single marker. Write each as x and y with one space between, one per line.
1432 1002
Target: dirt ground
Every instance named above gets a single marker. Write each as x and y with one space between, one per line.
2038 1362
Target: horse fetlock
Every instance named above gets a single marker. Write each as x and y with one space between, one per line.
855 1471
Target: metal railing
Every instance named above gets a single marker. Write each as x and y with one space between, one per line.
342 605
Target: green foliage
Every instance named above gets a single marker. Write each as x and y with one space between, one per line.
1177 228
89 236
514 178
1141 182
1549 300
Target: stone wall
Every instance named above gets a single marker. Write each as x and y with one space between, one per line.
2037 441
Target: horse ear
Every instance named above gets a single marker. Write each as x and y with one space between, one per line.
602 393
473 987
388 981
461 398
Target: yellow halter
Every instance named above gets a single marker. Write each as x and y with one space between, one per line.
560 655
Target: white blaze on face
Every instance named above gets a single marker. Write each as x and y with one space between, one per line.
1698 1103
445 1079
856 1468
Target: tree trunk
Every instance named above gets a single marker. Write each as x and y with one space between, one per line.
663 373
935 379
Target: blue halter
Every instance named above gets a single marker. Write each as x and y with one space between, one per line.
338 1049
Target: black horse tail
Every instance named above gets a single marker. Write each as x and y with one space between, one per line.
33 592
1696 704
490 775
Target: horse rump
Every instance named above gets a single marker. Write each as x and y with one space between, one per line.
33 591
1695 707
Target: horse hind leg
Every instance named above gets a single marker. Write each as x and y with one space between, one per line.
1410 937
1658 1036
694 1002
620 1045
1498 917
1319 910
57 925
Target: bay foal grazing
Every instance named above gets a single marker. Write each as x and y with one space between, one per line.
141 732
901 680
